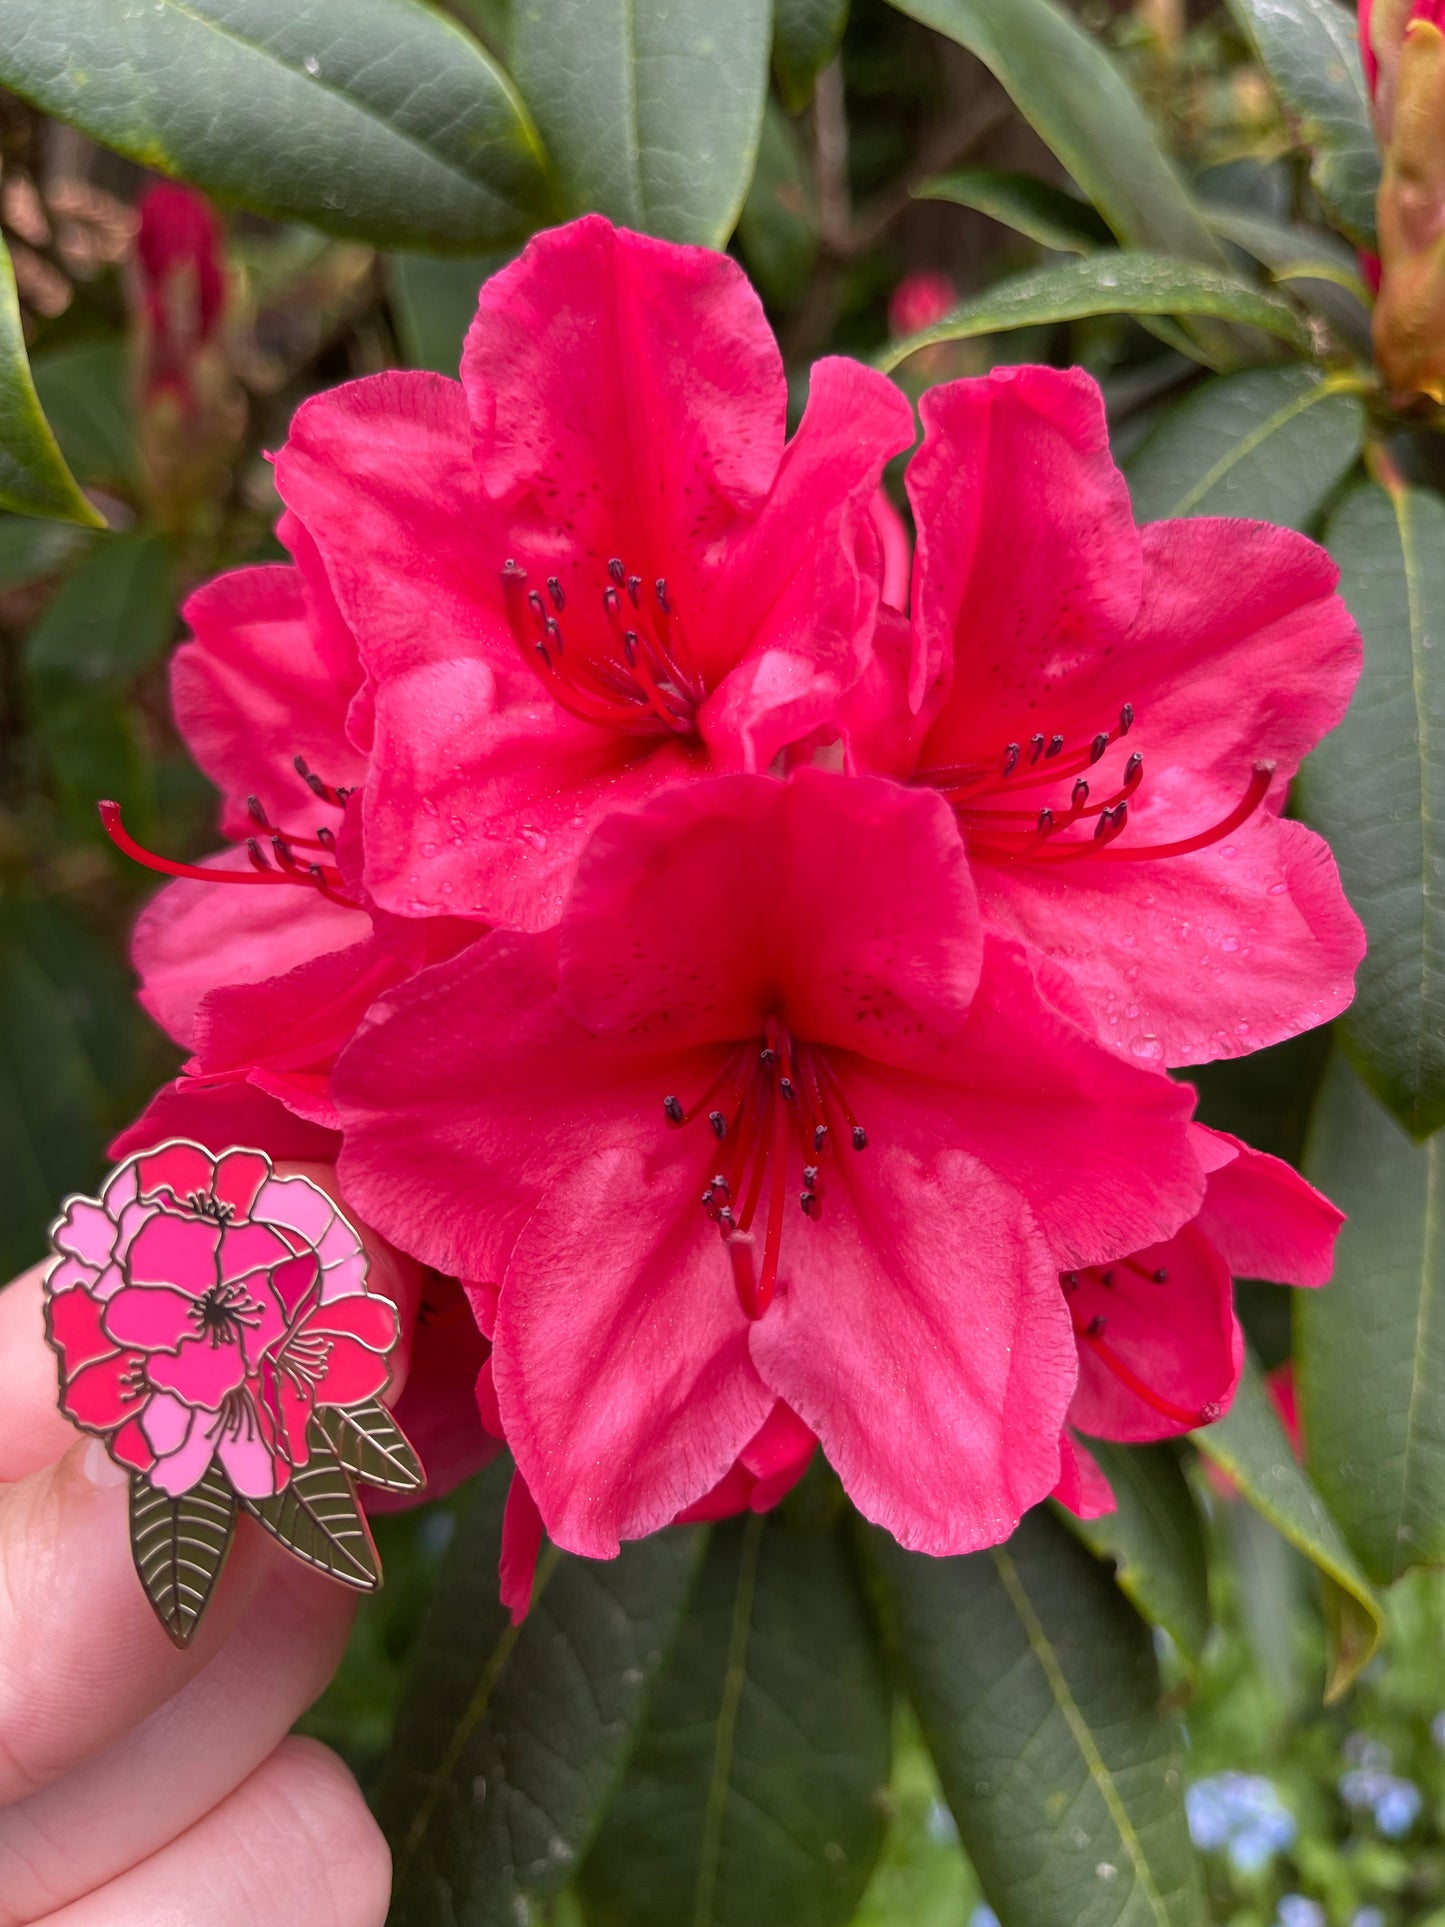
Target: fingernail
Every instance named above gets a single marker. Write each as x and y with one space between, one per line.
99 1467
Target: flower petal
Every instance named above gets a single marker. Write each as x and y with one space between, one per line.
106 1392
198 1371
1082 1487
170 1249
151 1318
87 1232
184 1468
73 1326
1266 1222
521 1543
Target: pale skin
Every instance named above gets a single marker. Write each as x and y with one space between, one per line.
141 1786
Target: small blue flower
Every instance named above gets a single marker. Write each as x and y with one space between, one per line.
1296 1911
1367 1917
1398 1808
983 1917
1242 1814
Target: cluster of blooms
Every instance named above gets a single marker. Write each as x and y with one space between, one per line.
739 957
1242 1816
1369 1786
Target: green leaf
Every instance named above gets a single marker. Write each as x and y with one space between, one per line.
1040 210
1250 1444
317 1517
1037 1689
179 1546
370 1445
85 391
651 108
778 227
806 36
1073 93
33 477
1376 788
1154 1538
433 302
1118 282
1311 52
1371 1345
110 619
375 118
1268 443
510 1738
754 1798
31 549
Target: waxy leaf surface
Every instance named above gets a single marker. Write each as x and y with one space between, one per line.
1154 1538
33 477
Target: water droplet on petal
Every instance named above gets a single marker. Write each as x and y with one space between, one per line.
1229 943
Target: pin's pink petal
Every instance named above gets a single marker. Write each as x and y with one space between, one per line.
166 1423
173 1250
184 1468
199 1371
74 1324
129 1446
87 1232
239 1176
151 1318
69 1274
251 1466
179 1168
122 1187
353 1372
295 1202
106 1393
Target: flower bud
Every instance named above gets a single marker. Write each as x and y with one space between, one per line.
1383 27
1409 327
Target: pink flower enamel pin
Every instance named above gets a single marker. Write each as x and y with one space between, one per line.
214 1328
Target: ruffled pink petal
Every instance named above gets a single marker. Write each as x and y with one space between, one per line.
174 1250
1266 1222
1028 562
439 1408
254 690
626 1401
766 1470
184 1468
198 1372
131 1219
897 548
521 1543
1177 1339
296 1203
152 1318
227 1114
1082 1487
920 1334
844 903
87 1232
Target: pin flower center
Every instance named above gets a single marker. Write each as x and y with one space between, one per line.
984 801
773 1096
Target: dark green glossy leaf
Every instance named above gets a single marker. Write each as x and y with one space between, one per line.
1250 1444
33 477
806 36
85 391
30 549
754 1798
1376 788
1311 52
369 1444
651 108
433 301
1154 1538
1072 92
1037 1689
179 1546
1371 1345
778 227
111 618
510 1738
375 118
1111 283
1040 210
1269 443
318 1518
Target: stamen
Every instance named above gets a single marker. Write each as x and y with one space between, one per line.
1130 1379
315 875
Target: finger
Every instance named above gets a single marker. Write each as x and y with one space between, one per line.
293 1847
33 1430
128 1802
82 1656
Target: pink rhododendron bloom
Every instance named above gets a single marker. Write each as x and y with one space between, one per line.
1114 714
593 568
1160 1349
203 1308
766 1117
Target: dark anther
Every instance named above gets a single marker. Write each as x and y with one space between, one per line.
1010 759
326 838
253 850
1056 743
317 787
611 601
860 1138
344 793
1069 1280
719 1124
541 649
809 1201
1036 748
1099 745
1109 818
721 1184
1161 1276
1096 1327
283 853
616 570
1046 820
820 1136
660 590
767 1056
674 1110
726 1221
1106 1277
256 813
785 1085
554 633
1134 765
810 1175
536 604
554 589
634 589
1126 719
629 647
1080 796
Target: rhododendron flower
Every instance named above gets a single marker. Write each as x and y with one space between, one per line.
203 1308
765 1118
1160 1349
919 300
593 568
1114 714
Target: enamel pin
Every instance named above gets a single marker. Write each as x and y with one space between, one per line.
214 1328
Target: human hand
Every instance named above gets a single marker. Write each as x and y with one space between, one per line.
140 1785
